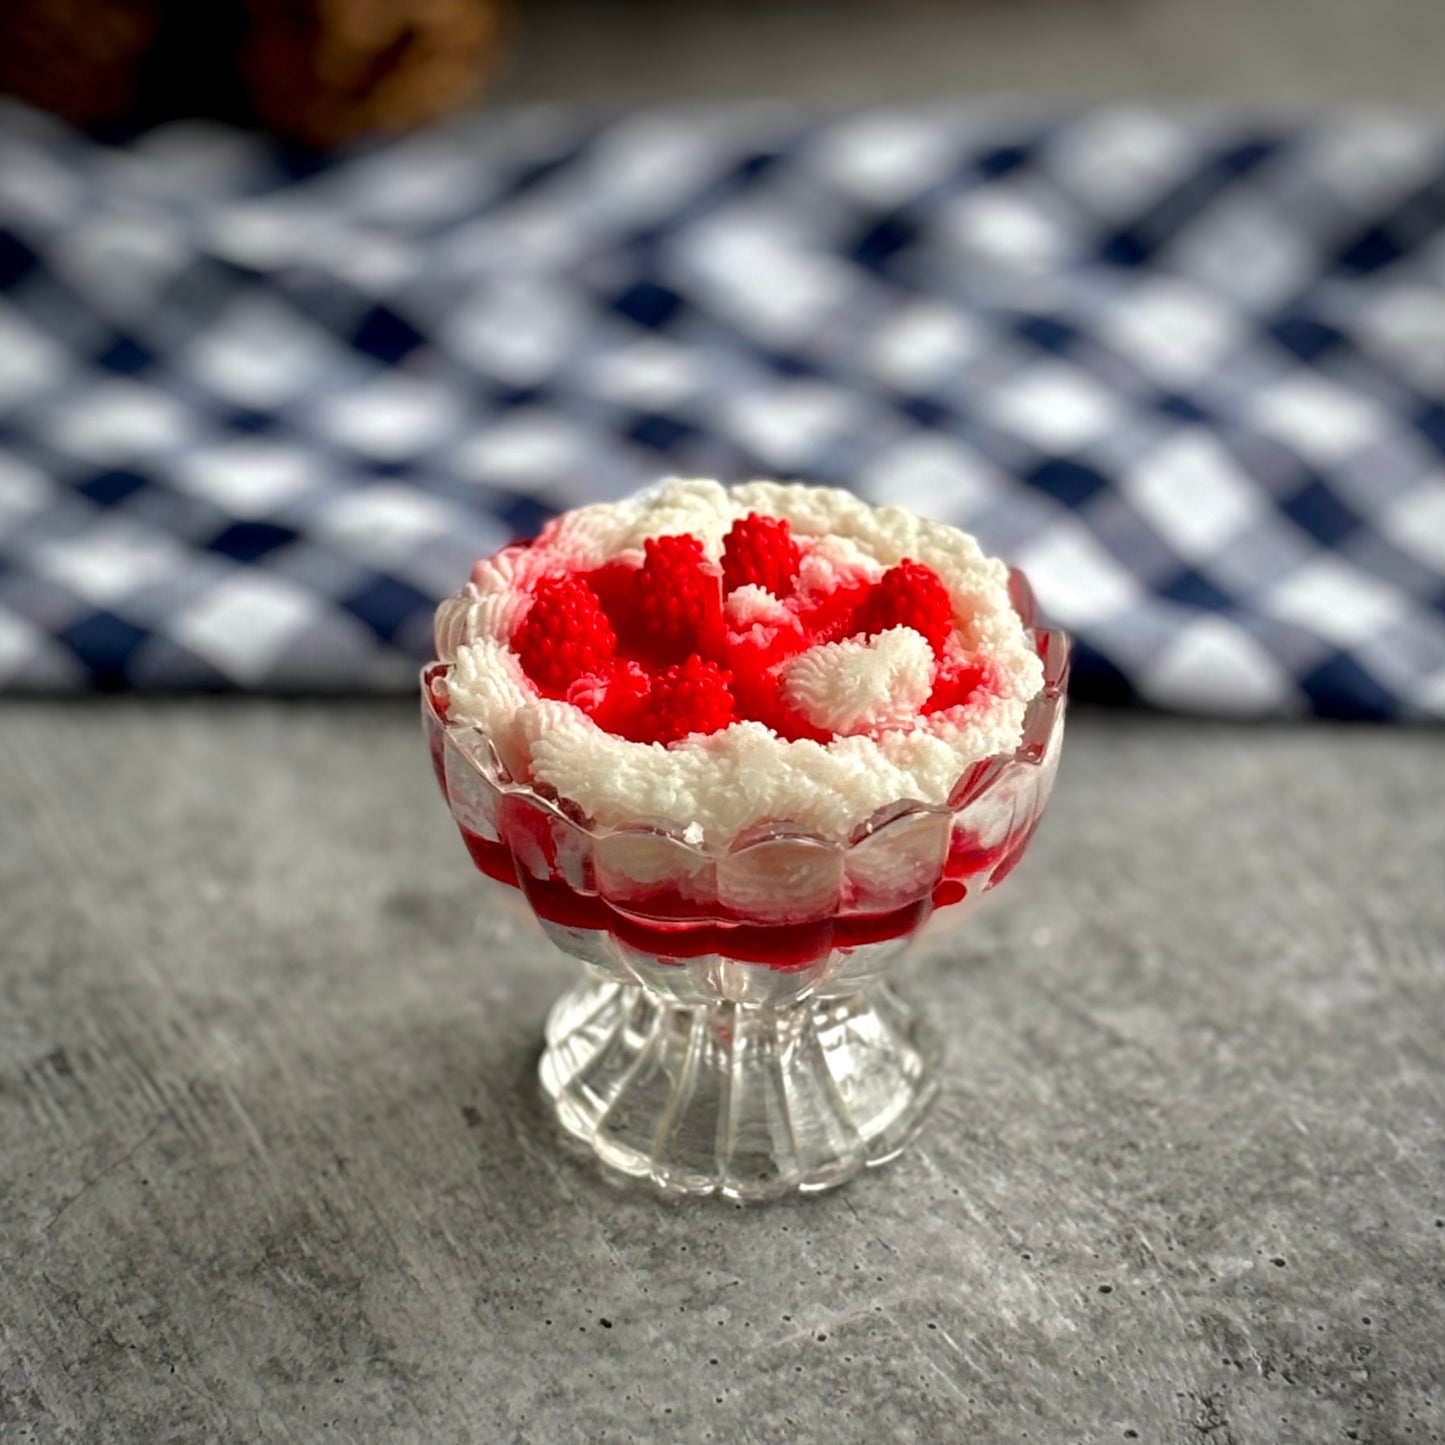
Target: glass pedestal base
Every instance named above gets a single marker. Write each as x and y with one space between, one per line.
747 1102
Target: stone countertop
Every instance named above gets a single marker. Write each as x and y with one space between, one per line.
274 1165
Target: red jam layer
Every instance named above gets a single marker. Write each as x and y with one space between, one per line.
782 946
671 931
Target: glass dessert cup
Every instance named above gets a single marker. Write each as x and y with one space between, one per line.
736 1032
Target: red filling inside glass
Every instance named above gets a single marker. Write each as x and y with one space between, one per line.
671 929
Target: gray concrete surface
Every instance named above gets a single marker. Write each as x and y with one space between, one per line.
1266 55
273 1165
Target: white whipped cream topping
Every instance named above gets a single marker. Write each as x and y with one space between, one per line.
747 606
727 782
863 684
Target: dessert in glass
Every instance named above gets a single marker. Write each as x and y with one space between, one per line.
735 747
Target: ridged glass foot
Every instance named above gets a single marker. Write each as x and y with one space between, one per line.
751 1103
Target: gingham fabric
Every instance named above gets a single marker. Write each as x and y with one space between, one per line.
257 415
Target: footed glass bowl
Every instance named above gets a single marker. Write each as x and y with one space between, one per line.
734 1033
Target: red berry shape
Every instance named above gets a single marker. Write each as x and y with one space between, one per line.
761 551
677 600
692 697
955 684
565 635
908 595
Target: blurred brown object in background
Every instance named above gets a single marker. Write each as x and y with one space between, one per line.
314 71
319 71
83 59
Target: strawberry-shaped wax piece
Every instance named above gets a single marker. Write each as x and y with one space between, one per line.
564 635
677 600
760 551
691 697
908 595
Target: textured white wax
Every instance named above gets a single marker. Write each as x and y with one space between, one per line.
862 684
726 782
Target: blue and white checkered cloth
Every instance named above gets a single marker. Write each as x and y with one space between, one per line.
257 415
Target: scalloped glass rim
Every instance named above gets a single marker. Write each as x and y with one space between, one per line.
1053 647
